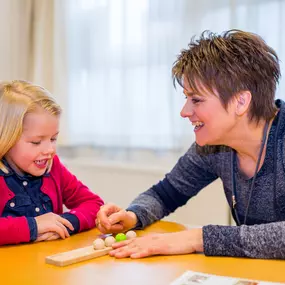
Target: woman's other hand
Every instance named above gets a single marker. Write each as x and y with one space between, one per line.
183 242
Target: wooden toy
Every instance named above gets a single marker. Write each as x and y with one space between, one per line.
76 255
99 248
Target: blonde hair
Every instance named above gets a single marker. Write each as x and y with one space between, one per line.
17 99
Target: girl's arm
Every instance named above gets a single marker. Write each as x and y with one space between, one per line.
14 230
77 197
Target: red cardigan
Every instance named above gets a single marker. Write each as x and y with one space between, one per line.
63 188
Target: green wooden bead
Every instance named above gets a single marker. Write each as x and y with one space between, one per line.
120 237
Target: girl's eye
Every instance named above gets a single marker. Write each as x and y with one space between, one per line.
36 143
53 139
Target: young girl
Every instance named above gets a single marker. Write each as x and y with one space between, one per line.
34 184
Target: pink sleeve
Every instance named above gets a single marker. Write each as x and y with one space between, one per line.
14 230
79 199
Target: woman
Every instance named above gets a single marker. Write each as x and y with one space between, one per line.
229 81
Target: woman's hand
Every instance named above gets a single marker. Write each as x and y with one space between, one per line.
183 242
113 219
47 236
51 222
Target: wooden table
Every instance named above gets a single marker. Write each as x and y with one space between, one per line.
25 264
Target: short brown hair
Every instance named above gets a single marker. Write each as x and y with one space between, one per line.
229 63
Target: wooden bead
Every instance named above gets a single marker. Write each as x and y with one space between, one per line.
109 241
131 234
98 243
120 237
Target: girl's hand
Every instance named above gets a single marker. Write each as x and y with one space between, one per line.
183 242
47 236
51 222
113 219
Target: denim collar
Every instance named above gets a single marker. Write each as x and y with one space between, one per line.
25 176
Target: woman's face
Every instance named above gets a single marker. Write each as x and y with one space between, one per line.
213 124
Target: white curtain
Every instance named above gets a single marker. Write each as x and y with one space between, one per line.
15 33
108 62
120 58
33 47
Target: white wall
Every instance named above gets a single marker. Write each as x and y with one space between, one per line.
120 183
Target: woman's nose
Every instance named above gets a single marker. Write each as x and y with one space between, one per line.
187 110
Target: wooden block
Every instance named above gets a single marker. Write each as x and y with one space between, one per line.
76 255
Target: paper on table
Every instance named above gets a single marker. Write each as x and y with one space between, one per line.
198 278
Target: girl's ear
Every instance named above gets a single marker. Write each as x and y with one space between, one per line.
243 100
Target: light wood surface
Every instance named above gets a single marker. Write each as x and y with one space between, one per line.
76 255
25 264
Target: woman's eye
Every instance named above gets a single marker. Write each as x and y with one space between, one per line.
194 100
53 139
35 143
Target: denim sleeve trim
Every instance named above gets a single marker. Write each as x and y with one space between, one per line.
33 228
73 220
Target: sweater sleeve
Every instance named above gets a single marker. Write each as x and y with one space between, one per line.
191 174
257 241
14 230
156 203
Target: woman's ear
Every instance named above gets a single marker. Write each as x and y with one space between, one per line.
243 100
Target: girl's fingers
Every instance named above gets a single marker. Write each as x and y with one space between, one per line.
61 230
42 237
66 223
54 236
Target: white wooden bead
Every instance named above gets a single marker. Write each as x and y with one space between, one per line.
98 243
109 241
131 234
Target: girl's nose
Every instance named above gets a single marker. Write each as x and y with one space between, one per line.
49 149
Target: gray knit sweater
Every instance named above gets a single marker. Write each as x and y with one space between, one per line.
263 236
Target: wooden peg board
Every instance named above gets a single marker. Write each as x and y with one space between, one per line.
76 255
